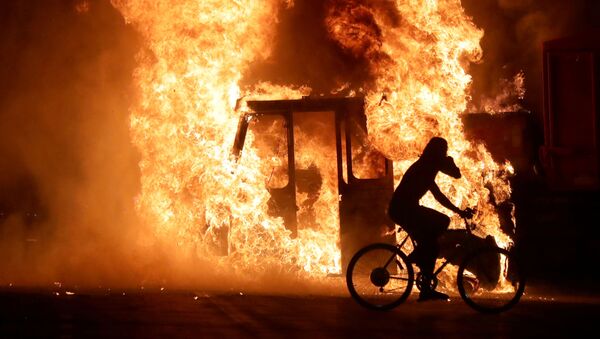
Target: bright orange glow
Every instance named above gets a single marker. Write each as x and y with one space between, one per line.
196 196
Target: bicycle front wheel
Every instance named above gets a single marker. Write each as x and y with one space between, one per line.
379 277
491 280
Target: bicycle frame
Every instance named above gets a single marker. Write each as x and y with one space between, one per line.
483 270
454 254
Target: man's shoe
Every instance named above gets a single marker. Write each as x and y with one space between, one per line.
432 295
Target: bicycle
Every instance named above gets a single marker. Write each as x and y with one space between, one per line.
490 279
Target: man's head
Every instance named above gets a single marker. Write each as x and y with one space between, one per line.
436 149
435 152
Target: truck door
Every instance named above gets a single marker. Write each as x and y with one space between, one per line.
366 185
571 151
364 176
273 141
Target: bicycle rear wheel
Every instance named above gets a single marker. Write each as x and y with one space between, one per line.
379 277
491 280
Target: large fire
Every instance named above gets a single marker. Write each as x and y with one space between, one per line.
197 51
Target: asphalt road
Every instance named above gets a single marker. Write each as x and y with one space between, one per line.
52 313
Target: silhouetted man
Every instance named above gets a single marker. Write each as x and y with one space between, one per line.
423 224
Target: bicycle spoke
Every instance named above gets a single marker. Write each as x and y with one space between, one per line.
378 277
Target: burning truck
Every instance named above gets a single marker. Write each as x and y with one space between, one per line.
360 176
310 185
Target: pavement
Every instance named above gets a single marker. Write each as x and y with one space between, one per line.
544 311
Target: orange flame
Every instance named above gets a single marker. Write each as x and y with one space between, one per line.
184 123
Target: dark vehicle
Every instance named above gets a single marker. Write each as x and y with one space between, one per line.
571 150
296 131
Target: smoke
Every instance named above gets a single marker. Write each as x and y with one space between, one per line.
304 52
69 174
514 34
68 171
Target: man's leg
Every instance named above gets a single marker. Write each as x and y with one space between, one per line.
427 265
435 223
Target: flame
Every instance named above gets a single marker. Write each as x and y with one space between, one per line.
510 92
196 53
420 57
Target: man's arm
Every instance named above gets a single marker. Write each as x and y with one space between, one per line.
439 196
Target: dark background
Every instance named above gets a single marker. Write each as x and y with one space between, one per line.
66 86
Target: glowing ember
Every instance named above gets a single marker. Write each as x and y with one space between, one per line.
82 7
197 197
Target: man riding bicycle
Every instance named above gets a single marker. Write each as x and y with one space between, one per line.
423 224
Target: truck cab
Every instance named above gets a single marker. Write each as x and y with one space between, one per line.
298 132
